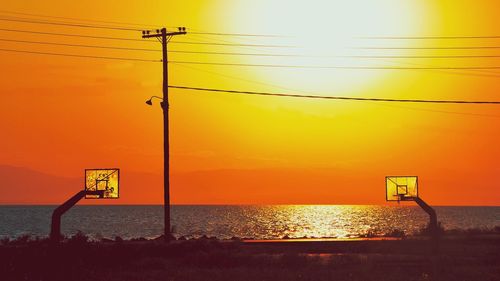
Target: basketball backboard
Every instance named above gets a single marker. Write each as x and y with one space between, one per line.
104 181
401 188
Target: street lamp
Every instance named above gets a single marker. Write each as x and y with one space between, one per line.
150 101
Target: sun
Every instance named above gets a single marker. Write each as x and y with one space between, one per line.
320 41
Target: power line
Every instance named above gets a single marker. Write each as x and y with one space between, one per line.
327 56
334 97
423 57
73 35
229 43
236 34
395 106
227 53
79 45
139 40
427 48
238 64
236 54
245 54
68 24
229 64
448 71
466 72
444 111
196 31
234 44
45 21
470 72
339 67
240 79
74 19
78 56
338 56
430 37
370 47
290 89
342 67
140 25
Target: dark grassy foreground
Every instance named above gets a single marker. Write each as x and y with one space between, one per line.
461 258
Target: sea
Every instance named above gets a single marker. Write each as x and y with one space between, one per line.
245 221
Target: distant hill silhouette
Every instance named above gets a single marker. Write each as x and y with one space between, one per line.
21 185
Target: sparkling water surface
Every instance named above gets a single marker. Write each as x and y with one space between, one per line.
224 222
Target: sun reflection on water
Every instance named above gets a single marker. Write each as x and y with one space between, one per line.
257 222
325 221
303 221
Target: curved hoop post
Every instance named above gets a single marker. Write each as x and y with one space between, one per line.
433 223
55 229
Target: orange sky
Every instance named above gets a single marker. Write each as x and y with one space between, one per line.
60 115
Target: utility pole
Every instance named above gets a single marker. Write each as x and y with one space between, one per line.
164 37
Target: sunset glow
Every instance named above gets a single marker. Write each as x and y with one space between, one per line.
60 115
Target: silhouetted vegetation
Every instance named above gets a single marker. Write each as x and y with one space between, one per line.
80 258
4 241
23 239
394 233
79 238
427 230
397 233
